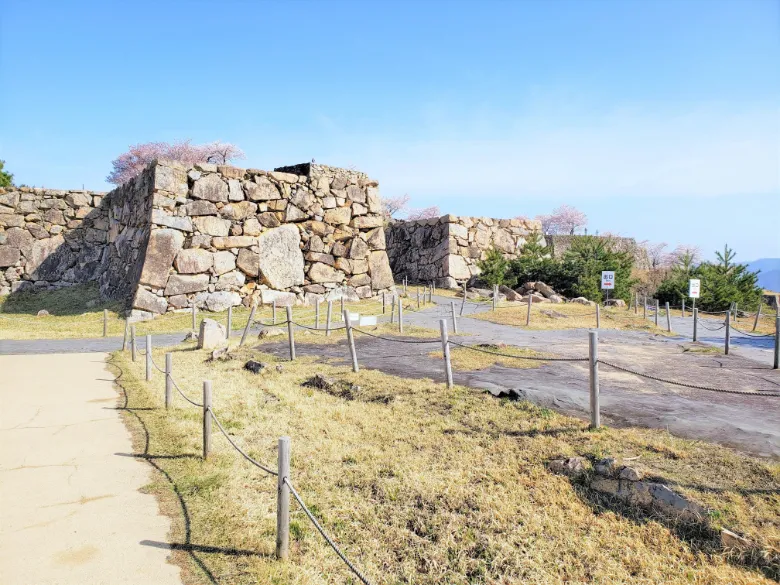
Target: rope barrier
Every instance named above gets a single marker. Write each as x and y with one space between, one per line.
183 395
239 449
748 334
685 385
519 357
324 534
392 339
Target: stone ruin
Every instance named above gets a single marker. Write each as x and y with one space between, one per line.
209 235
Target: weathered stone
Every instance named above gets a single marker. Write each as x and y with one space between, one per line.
179 285
339 215
248 262
162 248
231 280
509 293
294 214
147 301
283 299
210 188
456 267
358 249
9 256
200 207
261 189
231 172
458 231
379 268
252 227
729 540
49 259
178 301
268 219
583 301
194 261
355 193
367 221
220 301
615 303
212 334
630 474
570 466
159 217
224 243
238 211
224 262
376 239
75 199
213 226
320 257
360 280
321 273
280 256
545 289
171 179
20 238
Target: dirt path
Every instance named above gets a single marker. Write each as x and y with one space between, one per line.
70 503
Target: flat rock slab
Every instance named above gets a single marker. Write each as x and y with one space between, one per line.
71 507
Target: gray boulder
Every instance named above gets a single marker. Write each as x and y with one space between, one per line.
212 334
280 258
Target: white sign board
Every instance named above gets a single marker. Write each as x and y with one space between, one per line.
694 287
607 279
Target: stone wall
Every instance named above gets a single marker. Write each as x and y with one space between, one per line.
50 238
447 249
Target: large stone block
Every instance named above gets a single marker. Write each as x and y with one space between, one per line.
339 215
211 188
160 251
147 301
183 284
224 243
9 256
200 207
283 299
173 180
376 239
261 189
367 221
456 267
49 259
280 257
321 273
379 268
194 261
248 262
212 334
159 217
213 226
220 301
224 261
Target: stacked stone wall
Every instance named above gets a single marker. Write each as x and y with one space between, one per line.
447 249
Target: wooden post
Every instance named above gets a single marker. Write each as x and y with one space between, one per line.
528 312
418 298
433 289
342 307
148 356
463 303
133 344
194 316
351 340
126 335
495 296
454 319
593 346
206 418
727 341
273 311
328 316
598 316
248 325
657 310
406 282
644 306
445 348
392 310
290 333
636 304
777 343
668 318
430 293
758 315
400 316
683 308
317 314
229 323
168 380
283 501
696 324
105 322
384 303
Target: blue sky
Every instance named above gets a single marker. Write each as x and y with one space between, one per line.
660 120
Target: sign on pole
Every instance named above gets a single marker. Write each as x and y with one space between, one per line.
607 279
694 287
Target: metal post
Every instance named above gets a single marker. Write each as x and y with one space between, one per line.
229 322
126 335
430 294
317 314
657 310
758 315
148 357
400 316
636 304
433 289
105 322
328 315
593 346
454 319
248 325
133 344
668 318
351 340
290 333
728 333
406 282
168 380
206 418
696 324
283 501
384 303
777 343
463 303
445 348
194 316
598 316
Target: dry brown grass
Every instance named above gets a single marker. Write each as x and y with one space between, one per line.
467 359
424 485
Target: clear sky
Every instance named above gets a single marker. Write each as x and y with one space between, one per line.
660 120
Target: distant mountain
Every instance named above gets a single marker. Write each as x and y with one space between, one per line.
769 277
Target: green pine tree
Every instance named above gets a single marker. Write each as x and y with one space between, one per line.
6 178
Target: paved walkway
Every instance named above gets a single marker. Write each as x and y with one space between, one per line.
69 500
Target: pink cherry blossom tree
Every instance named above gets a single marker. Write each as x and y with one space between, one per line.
129 164
424 213
393 205
563 220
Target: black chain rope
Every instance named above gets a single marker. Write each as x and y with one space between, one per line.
748 334
392 339
700 324
519 357
239 449
325 535
183 395
685 385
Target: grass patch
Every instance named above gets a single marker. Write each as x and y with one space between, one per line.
421 484
467 359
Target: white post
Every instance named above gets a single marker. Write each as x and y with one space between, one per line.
126 335
351 341
248 324
495 296
668 318
696 324
229 322
317 314
598 316
283 501
194 316
454 319
683 308
273 311
392 310
342 307
148 357
290 333
105 322
133 344
168 380
528 313
463 303
384 303
758 315
206 418
400 316
727 341
657 310
328 316
445 348
418 298
593 346
644 306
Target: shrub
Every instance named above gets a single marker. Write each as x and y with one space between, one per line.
494 268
